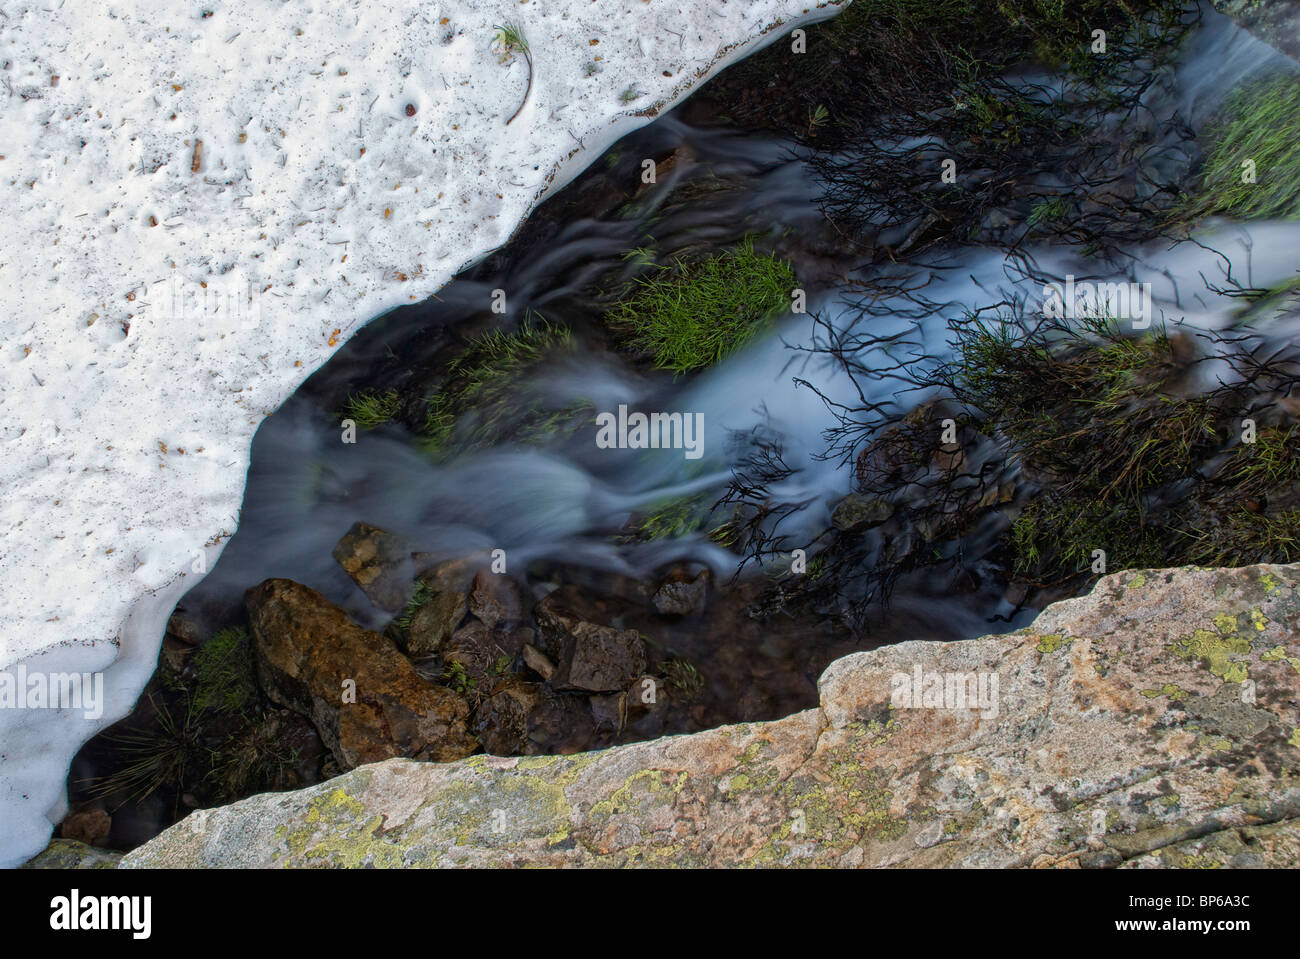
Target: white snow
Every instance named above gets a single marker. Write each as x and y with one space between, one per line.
129 390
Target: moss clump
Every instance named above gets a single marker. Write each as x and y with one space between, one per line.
223 672
1259 124
372 408
692 314
482 399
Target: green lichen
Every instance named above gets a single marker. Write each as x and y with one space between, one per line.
1278 654
1216 648
1051 642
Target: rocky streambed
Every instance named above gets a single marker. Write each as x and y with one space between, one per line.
1116 741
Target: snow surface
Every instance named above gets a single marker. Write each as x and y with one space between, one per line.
129 389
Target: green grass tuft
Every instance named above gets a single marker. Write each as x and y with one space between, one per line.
1260 121
483 400
692 314
372 408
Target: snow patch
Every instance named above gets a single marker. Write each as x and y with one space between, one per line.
201 204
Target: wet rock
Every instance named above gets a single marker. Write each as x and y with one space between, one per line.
538 661
495 599
173 657
448 585
184 630
72 854
501 721
609 712
560 724
434 622
590 657
470 649
858 512
1276 22
90 826
682 594
647 706
311 657
379 562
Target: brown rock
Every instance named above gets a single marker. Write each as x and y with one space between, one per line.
591 658
495 598
434 622
309 653
90 826
682 594
184 630
379 562
857 512
538 661
501 721
1149 724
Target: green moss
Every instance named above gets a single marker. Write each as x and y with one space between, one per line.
694 313
675 517
223 672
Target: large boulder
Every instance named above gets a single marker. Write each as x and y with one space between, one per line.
1152 723
364 697
1276 22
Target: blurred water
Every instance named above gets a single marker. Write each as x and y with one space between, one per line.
567 500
